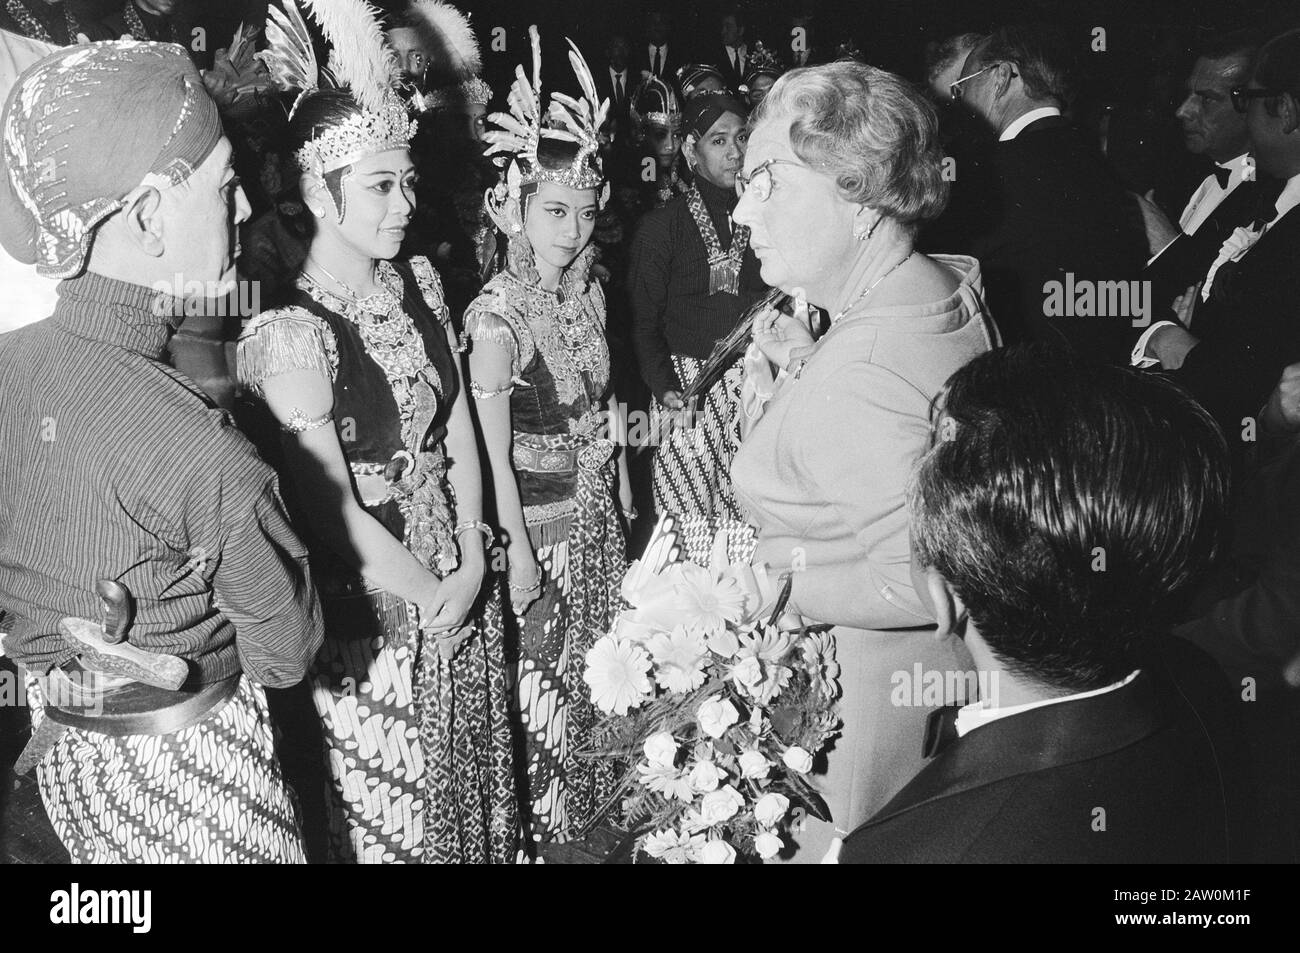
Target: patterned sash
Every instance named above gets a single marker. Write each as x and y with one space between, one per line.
724 266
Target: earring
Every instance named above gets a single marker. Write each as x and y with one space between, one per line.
318 212
865 235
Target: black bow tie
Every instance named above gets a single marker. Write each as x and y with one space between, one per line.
940 730
1222 175
1270 190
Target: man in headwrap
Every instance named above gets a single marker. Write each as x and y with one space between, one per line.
28 297
691 276
118 477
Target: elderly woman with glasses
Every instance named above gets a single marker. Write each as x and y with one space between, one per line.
842 168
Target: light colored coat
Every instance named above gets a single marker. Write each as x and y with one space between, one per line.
823 476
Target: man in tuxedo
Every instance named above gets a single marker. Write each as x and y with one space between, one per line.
1040 206
732 57
803 51
1228 196
1097 738
1238 330
616 82
656 56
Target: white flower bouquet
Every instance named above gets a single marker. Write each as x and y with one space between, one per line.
716 709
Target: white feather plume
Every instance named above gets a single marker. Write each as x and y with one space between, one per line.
359 57
289 56
449 37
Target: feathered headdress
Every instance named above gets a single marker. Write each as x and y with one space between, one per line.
359 62
521 131
455 62
655 104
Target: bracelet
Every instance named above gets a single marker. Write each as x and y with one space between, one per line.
488 535
478 392
299 422
535 585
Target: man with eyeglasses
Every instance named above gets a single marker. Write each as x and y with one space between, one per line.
1040 206
1244 311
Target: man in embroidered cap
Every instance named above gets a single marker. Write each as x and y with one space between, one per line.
691 276
120 482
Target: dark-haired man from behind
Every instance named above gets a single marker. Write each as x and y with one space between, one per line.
1098 738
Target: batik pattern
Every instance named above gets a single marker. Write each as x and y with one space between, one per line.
212 793
691 471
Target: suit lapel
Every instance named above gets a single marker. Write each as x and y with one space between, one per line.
1035 740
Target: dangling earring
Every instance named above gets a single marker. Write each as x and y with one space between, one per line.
863 236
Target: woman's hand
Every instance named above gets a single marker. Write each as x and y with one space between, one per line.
625 500
525 576
778 334
677 414
449 604
450 641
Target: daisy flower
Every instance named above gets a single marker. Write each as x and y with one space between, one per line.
819 661
618 675
669 782
708 602
674 847
679 658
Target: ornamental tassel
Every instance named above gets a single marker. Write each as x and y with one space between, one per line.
724 274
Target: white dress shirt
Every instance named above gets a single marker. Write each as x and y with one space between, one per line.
976 715
1033 115
1210 194
981 713
663 58
618 84
736 57
1234 249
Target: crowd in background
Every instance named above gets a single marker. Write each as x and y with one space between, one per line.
1034 193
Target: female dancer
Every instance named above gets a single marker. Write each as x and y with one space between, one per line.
380 460
539 366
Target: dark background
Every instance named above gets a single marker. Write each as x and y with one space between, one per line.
1142 35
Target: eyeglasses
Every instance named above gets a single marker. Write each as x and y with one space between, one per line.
760 180
954 89
1241 97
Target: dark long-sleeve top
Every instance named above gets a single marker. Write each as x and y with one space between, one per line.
113 465
668 285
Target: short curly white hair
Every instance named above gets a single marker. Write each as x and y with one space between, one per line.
872 130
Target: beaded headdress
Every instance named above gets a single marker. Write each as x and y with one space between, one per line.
655 104
523 131
473 92
762 62
691 75
359 62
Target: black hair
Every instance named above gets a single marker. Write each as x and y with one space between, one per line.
1244 43
1277 66
1068 504
318 112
